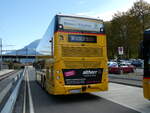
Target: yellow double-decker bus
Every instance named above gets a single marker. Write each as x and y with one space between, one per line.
73 56
146 56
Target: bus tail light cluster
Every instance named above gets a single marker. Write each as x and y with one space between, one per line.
57 77
61 37
101 29
60 26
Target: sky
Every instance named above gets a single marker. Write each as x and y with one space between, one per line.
23 21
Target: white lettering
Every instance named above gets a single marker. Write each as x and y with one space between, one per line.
88 72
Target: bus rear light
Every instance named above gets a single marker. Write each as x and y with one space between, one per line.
101 29
58 72
60 26
57 77
61 37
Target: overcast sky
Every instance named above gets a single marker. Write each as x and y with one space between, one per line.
23 21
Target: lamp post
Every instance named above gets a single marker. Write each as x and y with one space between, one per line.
26 55
1 52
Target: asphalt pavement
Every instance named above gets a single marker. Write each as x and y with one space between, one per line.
129 96
41 102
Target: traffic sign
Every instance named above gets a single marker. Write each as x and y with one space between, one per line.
120 50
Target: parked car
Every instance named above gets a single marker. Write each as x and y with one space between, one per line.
122 68
114 70
137 63
112 64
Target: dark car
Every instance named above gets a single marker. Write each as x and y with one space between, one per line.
136 63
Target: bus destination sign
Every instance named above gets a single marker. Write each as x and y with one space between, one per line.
82 38
81 24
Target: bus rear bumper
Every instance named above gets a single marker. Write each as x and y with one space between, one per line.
146 88
71 89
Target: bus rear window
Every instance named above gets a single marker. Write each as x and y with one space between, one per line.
80 24
82 38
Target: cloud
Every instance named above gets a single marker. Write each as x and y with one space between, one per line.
106 16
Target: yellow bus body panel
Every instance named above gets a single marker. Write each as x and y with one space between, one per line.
82 61
146 88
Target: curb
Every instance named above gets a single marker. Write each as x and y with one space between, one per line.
135 85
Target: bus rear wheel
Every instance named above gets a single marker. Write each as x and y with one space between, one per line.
43 82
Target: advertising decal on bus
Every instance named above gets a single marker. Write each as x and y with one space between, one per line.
82 76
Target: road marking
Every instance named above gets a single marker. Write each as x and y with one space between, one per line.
24 103
30 96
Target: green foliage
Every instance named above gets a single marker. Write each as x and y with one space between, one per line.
126 29
14 65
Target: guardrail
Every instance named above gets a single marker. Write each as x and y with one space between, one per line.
10 103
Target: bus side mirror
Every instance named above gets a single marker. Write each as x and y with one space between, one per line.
51 40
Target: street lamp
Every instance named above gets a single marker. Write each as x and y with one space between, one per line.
1 53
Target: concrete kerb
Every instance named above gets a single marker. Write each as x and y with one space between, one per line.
123 83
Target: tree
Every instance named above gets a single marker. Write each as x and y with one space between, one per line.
108 29
126 29
140 13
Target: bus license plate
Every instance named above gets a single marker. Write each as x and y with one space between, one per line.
75 91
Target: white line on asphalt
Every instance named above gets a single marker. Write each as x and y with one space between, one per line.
30 96
24 103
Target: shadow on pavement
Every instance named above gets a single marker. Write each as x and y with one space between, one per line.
74 98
